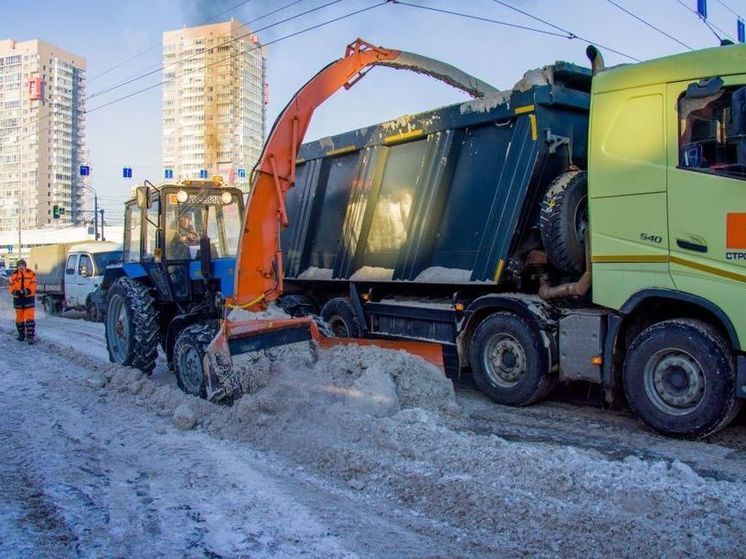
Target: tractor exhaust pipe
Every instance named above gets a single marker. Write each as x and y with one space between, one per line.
596 58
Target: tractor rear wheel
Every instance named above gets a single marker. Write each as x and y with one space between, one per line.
131 325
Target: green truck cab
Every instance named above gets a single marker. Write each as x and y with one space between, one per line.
667 208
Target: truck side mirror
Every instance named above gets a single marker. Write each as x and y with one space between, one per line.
142 193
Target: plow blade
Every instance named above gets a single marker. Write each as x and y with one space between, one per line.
236 338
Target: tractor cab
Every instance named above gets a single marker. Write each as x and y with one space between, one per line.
184 237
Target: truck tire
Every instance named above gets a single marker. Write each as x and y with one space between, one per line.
189 351
680 379
340 316
564 220
92 311
131 325
50 306
509 361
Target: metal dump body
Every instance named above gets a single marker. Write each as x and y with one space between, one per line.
441 197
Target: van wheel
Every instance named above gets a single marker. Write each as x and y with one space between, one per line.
509 361
131 325
340 316
680 379
564 221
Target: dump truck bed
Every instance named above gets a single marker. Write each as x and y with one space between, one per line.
440 197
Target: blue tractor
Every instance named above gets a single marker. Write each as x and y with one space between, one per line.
180 242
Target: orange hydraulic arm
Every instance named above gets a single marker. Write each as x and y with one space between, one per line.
258 279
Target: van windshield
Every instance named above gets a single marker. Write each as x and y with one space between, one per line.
104 259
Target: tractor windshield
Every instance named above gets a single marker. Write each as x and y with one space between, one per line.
194 213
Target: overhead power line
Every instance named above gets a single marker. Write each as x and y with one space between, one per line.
645 22
731 10
711 26
564 34
153 47
186 58
229 57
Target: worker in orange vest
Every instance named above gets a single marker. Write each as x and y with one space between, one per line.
22 286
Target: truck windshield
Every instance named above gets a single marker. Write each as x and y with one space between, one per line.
104 259
194 213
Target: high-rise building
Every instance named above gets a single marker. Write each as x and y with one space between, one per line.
213 101
42 125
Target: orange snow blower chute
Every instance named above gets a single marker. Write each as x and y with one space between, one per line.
259 273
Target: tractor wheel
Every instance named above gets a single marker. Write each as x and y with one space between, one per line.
564 220
189 352
509 361
340 316
131 325
680 379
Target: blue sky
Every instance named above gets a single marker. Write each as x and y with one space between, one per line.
128 133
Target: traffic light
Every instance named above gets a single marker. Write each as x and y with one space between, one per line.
56 212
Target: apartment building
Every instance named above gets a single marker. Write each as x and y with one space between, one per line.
42 134
214 101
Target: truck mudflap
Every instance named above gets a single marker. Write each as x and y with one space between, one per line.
235 338
741 376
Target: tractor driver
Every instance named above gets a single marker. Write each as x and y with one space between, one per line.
186 236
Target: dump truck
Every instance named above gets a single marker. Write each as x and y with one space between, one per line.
587 225
69 273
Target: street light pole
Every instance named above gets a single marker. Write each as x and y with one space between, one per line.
102 225
95 211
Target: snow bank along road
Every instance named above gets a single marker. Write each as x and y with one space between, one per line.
365 453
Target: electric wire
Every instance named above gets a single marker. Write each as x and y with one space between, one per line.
153 47
564 33
645 22
154 69
712 27
731 10
194 57
181 60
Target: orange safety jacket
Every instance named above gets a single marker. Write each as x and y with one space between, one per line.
22 286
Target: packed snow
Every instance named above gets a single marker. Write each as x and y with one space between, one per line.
362 452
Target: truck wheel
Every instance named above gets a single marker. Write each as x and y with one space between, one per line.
50 306
131 325
564 220
680 379
509 361
92 311
189 351
340 316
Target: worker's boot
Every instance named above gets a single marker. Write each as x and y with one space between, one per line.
21 331
30 326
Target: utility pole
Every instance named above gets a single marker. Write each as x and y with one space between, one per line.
95 216
102 224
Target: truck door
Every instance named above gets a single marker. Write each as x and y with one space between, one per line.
706 127
85 278
71 282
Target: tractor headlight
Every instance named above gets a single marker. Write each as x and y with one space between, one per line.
226 197
182 196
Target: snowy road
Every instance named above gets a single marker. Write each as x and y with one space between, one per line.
91 471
